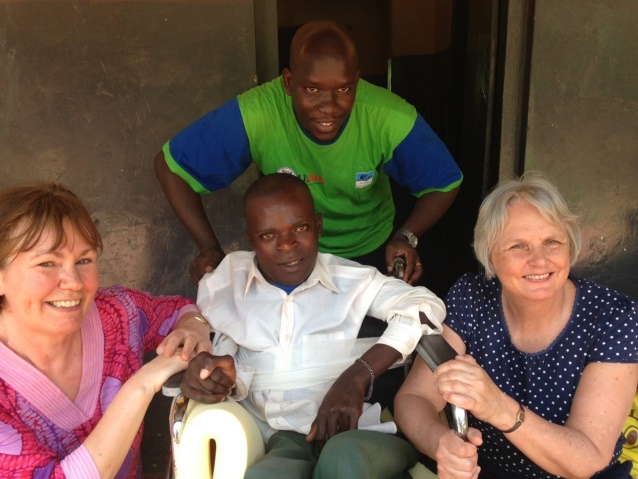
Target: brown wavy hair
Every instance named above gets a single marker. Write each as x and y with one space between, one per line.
26 211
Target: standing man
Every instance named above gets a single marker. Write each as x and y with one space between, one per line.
343 136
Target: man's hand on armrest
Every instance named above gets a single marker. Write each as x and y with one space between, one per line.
343 404
341 407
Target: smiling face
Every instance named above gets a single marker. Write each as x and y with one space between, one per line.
283 230
322 81
48 291
531 256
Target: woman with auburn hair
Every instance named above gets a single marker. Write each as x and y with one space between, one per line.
73 386
548 363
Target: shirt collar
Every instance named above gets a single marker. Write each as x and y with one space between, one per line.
320 275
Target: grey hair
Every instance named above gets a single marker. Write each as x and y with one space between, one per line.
536 189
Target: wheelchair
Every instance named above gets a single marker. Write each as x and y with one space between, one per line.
220 441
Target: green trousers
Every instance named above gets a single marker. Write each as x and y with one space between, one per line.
348 455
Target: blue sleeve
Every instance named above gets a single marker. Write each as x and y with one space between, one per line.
422 163
212 152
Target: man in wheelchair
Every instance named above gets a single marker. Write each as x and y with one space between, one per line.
286 320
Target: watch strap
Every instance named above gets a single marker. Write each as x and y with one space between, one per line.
409 236
520 419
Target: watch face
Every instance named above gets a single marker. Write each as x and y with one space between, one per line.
412 240
521 414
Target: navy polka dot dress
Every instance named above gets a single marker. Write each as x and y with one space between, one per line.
602 328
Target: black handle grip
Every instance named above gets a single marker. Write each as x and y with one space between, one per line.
435 350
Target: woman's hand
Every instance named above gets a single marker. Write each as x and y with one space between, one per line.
155 372
192 337
465 384
457 459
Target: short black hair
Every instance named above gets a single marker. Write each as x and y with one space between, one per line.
319 35
274 183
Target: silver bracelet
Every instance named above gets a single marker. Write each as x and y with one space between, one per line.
371 387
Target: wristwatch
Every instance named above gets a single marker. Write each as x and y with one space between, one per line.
410 237
520 419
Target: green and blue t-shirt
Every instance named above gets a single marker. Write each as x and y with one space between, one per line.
348 176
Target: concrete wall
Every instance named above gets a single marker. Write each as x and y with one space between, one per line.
89 92
583 126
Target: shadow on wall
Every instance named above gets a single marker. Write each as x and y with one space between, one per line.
613 261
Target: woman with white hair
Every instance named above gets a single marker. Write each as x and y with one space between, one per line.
547 365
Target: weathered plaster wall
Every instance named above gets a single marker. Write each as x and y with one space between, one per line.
583 126
89 92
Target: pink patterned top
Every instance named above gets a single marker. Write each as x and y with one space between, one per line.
41 429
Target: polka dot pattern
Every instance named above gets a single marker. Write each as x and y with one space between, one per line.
602 328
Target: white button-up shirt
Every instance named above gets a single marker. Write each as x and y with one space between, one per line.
306 335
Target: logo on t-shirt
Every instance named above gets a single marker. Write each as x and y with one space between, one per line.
287 170
364 179
309 178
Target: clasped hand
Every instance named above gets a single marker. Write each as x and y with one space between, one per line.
190 341
209 379
397 247
464 383
457 459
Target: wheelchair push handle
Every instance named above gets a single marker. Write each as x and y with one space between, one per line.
398 268
435 350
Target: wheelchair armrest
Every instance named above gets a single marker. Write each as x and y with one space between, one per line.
435 350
